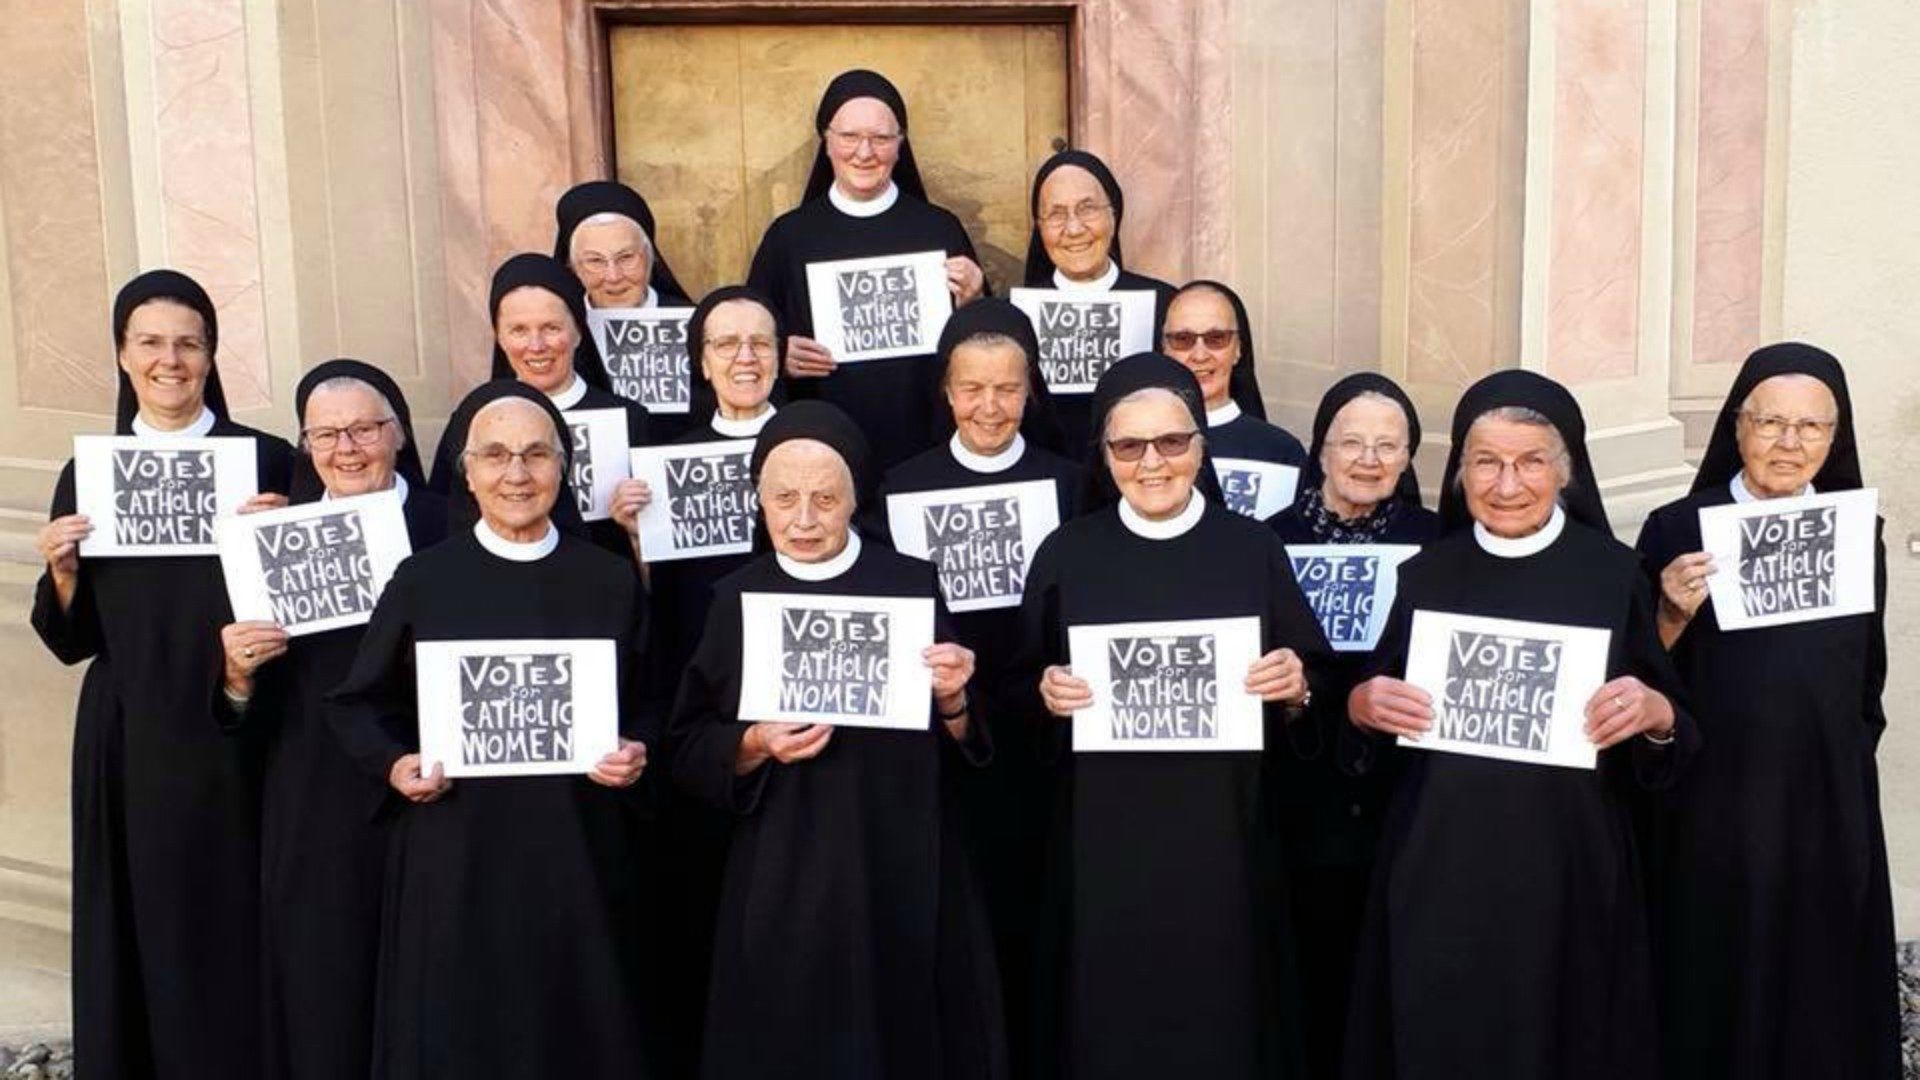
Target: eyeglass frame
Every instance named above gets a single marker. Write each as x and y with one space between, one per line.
1084 213
311 437
553 453
1824 430
1182 445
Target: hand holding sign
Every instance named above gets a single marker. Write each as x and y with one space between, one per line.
1683 584
248 646
965 280
808 359
59 543
1626 707
265 500
1391 707
630 497
620 768
784 743
1063 692
406 778
1278 676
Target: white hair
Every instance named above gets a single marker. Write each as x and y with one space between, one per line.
608 217
1520 414
348 382
1146 393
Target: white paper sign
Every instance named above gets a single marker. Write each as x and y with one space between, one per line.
599 458
313 567
1791 560
1507 689
527 707
1350 588
647 356
703 503
1256 489
1175 685
981 539
878 308
159 495
1082 334
825 659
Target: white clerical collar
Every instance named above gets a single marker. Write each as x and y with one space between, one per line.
1744 494
873 207
568 398
1177 525
988 463
1519 547
517 550
200 426
1104 283
823 571
1225 414
743 429
399 485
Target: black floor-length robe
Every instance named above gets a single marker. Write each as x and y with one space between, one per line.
165 812
1255 439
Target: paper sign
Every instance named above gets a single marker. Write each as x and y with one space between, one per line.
646 353
313 567
159 495
1350 588
874 309
703 503
599 458
1082 334
1791 560
981 539
823 659
1507 689
1256 489
1167 685
518 707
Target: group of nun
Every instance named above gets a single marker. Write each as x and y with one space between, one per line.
267 882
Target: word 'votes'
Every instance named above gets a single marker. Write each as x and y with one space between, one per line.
834 661
1240 490
711 499
516 709
316 569
163 497
1340 589
647 359
1078 341
880 308
1788 561
1163 687
977 548
1500 691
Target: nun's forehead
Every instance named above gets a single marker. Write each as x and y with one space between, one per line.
862 111
1808 394
801 461
741 313
511 420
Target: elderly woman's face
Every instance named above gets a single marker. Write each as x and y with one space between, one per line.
166 359
1512 474
987 388
1156 484
1364 453
536 331
738 356
807 496
513 464
863 144
613 261
1785 432
1192 319
337 419
1076 222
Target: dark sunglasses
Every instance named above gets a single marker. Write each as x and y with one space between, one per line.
1170 445
1182 340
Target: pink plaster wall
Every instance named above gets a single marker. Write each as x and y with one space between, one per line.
1730 188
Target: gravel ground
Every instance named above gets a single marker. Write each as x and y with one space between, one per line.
37 1061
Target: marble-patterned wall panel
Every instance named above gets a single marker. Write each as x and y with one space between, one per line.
1730 180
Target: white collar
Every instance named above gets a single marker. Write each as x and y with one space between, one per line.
743 429
1744 494
988 463
823 571
517 550
1177 525
1104 283
568 398
1225 414
652 299
873 207
399 485
200 426
1519 547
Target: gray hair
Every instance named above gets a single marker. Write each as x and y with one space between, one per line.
348 382
1146 393
1520 414
608 217
987 339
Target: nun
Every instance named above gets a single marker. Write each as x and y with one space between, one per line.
1773 922
1077 209
864 198
165 809
1171 950
851 942
540 339
513 939
1505 935
323 833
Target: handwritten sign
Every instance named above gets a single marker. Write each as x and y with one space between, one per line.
646 353
1256 489
981 539
517 707
1350 588
1167 685
704 502
1507 689
825 659
314 567
878 308
599 439
1082 334
159 495
1791 560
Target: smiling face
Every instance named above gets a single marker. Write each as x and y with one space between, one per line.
1155 485
513 465
613 260
1511 474
536 331
987 389
1364 453
1076 222
347 467
863 144
1781 463
807 496
738 357
166 359
1202 312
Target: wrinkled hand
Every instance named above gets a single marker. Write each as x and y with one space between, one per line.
621 767
247 646
808 359
965 280
1624 708
952 666
1278 676
1683 585
630 497
1063 692
59 544
784 743
1390 707
266 500
406 779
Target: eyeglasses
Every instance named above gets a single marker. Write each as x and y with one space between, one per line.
1355 449
1171 445
597 264
364 433
1809 431
761 347
497 458
1183 340
1086 213
1529 469
848 141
